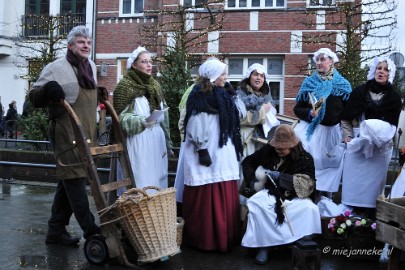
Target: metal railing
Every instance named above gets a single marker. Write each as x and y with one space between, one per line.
15 142
41 25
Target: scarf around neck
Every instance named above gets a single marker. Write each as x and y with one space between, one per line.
337 86
85 72
360 102
137 84
217 101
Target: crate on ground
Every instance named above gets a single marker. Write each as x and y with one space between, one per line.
391 221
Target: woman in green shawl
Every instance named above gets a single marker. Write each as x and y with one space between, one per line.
148 142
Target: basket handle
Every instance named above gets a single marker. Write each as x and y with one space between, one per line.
151 187
142 191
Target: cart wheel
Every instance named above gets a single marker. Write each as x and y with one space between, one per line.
96 250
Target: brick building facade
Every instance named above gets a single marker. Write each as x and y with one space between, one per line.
264 31
270 32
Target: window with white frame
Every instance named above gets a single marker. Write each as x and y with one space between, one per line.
275 70
317 3
131 8
253 4
194 3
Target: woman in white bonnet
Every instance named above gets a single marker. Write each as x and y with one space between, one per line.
370 117
254 92
149 143
319 129
212 149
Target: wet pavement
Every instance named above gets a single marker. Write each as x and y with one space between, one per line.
25 209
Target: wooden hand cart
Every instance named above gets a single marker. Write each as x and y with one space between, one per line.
99 249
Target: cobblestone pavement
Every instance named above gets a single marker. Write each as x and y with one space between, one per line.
25 209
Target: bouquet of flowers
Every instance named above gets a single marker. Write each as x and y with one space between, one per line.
347 222
358 234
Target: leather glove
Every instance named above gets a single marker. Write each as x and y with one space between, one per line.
54 91
275 175
229 89
102 93
204 157
148 124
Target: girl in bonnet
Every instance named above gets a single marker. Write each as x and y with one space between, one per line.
370 117
149 143
319 130
212 149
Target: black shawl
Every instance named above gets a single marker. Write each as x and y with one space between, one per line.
217 101
387 109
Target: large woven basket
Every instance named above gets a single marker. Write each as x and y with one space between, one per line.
149 221
179 236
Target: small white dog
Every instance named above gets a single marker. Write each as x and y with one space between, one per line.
261 177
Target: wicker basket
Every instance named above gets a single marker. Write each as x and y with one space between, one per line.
149 221
179 235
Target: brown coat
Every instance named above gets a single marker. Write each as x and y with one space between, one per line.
60 129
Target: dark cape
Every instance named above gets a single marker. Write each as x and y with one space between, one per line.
387 109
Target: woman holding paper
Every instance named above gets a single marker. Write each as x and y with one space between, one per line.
319 105
254 91
147 134
373 110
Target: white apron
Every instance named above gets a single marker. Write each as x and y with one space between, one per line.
398 189
147 152
262 230
179 180
323 141
366 164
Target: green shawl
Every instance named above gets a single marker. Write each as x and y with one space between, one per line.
137 84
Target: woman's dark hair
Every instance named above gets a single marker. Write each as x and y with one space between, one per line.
265 89
205 83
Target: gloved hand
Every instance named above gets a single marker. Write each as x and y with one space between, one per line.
102 93
229 89
204 157
148 124
54 91
275 175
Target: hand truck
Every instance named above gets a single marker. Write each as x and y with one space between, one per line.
99 249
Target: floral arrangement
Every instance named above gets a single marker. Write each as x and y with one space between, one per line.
350 223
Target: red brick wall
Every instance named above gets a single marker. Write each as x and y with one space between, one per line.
272 38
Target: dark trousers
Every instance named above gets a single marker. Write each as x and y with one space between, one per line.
71 197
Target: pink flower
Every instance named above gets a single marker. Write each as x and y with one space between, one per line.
347 213
332 221
358 223
374 226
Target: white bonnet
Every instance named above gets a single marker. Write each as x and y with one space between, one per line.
373 66
259 69
212 69
327 52
134 55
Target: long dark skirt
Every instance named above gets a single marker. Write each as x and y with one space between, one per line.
212 216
